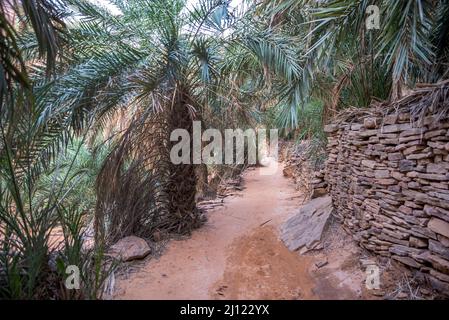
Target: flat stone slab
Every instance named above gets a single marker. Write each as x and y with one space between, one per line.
303 231
130 248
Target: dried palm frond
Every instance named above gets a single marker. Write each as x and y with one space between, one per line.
131 185
425 100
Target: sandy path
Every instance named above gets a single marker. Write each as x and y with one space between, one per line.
236 255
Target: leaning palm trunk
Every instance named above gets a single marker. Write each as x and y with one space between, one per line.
181 186
139 190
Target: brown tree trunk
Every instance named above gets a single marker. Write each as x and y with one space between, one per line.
181 187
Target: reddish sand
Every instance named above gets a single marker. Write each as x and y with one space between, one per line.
238 254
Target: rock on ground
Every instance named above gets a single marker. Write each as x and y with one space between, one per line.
303 231
130 248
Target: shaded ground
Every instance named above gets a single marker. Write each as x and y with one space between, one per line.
238 255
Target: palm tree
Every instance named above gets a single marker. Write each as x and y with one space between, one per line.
167 64
344 64
69 68
44 19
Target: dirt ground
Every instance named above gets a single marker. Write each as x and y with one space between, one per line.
238 255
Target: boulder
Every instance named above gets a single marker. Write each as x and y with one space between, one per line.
304 230
130 248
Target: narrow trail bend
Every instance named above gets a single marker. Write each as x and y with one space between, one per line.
237 254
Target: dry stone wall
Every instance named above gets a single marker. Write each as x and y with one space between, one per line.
388 178
307 175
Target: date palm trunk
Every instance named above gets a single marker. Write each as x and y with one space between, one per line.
182 182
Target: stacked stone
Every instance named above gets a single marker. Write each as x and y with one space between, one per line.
389 181
307 178
318 185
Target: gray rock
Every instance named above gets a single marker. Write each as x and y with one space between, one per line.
321 263
440 168
396 127
407 261
438 284
417 242
395 156
368 133
439 226
437 247
443 240
437 262
304 230
434 133
319 192
391 119
406 165
404 250
130 248
437 212
381 174
330 128
370 123
440 276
